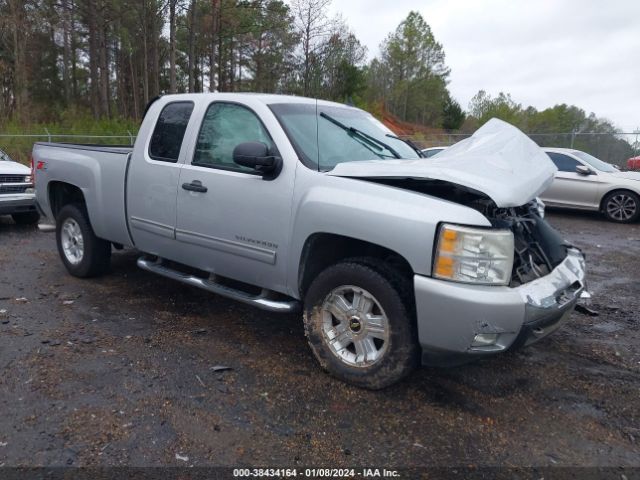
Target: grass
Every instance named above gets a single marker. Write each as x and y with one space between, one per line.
84 126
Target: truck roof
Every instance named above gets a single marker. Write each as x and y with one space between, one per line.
266 98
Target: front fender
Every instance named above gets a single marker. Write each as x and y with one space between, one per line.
400 220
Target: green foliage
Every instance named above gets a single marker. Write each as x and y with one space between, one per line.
72 122
562 125
483 107
89 67
410 75
338 73
269 46
452 115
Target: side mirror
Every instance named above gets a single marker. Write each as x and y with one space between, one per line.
584 170
256 155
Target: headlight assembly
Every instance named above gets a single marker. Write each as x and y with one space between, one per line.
474 255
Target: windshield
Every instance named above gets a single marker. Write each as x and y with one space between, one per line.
595 162
327 136
4 157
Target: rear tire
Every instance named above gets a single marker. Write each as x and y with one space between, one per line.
26 218
359 326
621 206
83 254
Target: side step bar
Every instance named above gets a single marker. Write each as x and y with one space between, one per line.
261 301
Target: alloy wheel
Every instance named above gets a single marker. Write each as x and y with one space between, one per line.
355 326
621 207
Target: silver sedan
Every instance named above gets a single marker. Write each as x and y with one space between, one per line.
585 182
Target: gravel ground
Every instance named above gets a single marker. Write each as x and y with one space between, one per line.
121 370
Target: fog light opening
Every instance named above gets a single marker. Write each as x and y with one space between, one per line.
485 339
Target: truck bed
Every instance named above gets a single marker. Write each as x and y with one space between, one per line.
90 147
99 171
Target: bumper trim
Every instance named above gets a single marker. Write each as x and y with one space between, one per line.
450 315
16 203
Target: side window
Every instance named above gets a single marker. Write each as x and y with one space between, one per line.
167 137
563 162
225 126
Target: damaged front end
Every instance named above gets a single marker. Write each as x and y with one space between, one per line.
538 248
548 272
542 283
491 289
458 320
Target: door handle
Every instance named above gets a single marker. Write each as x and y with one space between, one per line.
195 186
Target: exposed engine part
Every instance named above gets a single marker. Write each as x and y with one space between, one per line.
538 247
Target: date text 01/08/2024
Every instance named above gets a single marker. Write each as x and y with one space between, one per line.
315 472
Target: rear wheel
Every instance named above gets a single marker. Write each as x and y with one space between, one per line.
622 206
83 254
26 218
359 327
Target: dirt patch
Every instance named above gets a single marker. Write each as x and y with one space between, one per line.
119 370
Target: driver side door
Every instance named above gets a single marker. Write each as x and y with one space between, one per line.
235 223
570 188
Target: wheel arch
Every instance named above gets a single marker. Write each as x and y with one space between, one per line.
63 193
616 190
323 249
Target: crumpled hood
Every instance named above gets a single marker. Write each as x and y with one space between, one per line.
626 175
498 160
13 168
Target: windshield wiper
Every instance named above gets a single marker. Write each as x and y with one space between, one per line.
408 142
365 137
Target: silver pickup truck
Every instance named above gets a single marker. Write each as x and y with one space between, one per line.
288 203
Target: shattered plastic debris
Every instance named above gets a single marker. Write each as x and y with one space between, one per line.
580 308
182 457
21 300
67 302
220 368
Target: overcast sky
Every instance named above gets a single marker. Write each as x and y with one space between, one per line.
543 52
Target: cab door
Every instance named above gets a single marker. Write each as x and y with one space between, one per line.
231 221
570 188
153 176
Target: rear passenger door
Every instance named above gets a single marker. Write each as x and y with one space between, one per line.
238 224
153 177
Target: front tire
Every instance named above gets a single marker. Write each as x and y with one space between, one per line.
83 254
26 218
359 326
621 206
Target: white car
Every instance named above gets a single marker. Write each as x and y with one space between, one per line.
585 182
431 151
17 195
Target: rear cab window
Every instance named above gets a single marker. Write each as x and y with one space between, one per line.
168 134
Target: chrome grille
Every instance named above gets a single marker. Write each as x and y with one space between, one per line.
12 189
12 178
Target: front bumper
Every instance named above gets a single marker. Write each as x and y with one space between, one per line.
450 315
17 203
